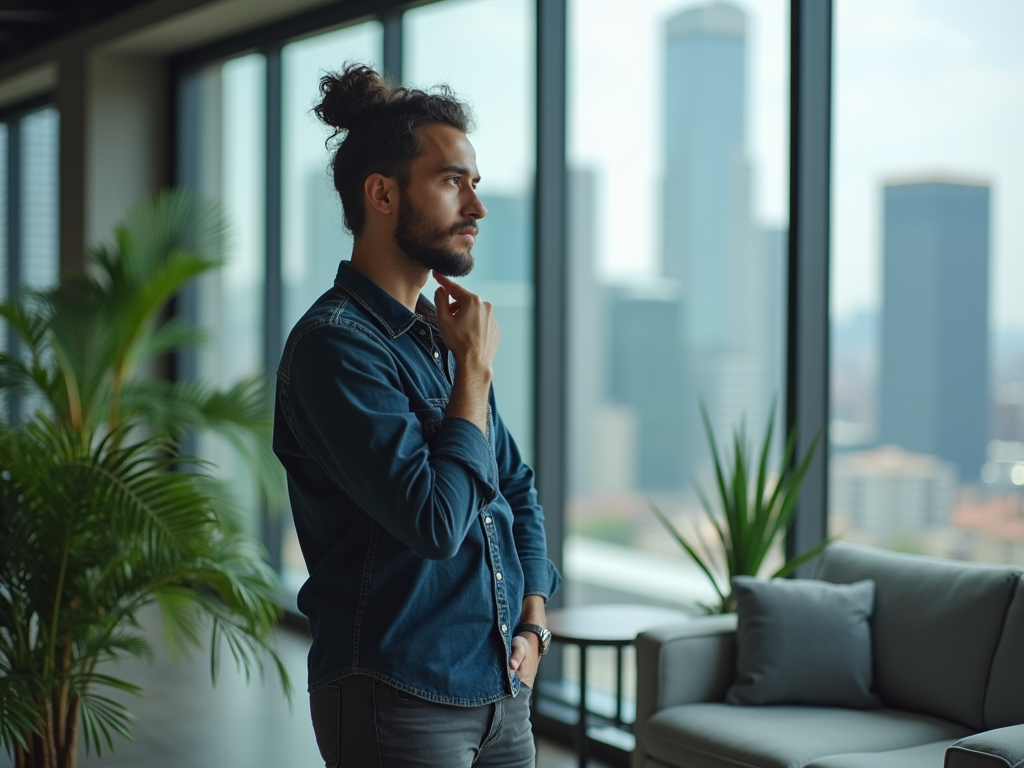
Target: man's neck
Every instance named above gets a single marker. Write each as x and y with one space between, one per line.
388 267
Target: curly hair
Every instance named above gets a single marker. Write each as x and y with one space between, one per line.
379 120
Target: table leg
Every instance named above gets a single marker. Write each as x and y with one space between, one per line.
581 727
618 686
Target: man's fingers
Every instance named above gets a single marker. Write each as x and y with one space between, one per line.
452 287
519 646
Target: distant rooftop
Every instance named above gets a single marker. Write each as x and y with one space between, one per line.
717 18
938 177
889 460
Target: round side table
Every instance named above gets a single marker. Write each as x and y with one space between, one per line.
608 625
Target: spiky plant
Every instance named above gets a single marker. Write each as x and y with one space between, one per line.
753 515
100 515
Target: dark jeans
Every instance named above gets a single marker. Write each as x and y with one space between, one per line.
361 722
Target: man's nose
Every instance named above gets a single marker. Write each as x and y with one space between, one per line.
475 208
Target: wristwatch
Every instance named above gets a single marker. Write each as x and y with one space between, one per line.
542 632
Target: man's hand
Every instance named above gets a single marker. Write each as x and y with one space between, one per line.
526 647
467 326
470 331
525 657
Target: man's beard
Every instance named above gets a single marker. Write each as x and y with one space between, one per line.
423 242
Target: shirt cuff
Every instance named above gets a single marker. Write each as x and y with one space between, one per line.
463 441
540 577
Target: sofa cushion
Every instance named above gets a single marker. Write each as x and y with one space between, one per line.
1004 702
928 755
720 735
935 626
801 641
1002 747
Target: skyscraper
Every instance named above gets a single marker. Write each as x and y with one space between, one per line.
710 246
934 393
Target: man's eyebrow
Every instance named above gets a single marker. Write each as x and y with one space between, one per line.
459 169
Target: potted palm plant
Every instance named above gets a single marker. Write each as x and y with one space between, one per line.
755 513
100 515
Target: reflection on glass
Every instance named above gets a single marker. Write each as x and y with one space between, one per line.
927 433
314 237
499 86
225 108
678 216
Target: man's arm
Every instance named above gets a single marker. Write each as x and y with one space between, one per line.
346 406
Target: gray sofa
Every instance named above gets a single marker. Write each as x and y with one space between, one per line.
948 657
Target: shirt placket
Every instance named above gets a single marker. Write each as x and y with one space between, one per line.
500 597
429 339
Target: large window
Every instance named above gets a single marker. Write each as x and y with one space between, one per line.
677 226
314 238
29 216
223 113
928 263
500 88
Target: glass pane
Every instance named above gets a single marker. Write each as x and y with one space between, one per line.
40 221
315 239
38 216
223 151
678 217
500 88
927 449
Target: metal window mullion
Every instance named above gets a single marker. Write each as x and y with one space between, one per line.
393 46
550 273
14 241
272 285
807 364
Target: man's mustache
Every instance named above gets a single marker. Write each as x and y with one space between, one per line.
470 225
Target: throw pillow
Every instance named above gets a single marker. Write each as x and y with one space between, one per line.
803 642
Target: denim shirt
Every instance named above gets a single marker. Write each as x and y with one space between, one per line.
420 533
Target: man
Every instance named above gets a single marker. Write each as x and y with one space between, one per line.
417 517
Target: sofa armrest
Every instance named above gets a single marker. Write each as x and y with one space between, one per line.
684 663
999 748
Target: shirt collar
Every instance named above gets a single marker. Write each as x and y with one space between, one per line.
392 315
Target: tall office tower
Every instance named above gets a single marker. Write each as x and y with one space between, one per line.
587 343
934 393
647 376
709 244
502 274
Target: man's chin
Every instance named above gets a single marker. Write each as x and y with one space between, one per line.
448 263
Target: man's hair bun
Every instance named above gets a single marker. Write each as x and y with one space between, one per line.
380 120
350 96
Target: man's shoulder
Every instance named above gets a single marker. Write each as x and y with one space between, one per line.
336 321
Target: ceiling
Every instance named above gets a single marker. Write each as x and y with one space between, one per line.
27 24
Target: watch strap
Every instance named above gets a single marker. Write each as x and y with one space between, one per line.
542 633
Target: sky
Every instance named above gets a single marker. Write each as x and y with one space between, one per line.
926 86
920 86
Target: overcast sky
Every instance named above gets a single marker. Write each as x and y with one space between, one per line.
919 86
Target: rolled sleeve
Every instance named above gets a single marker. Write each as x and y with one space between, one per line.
516 484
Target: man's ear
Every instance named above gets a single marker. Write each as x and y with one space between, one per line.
381 193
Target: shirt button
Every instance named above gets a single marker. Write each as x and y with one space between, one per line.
487 520
437 355
504 628
498 576
422 332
